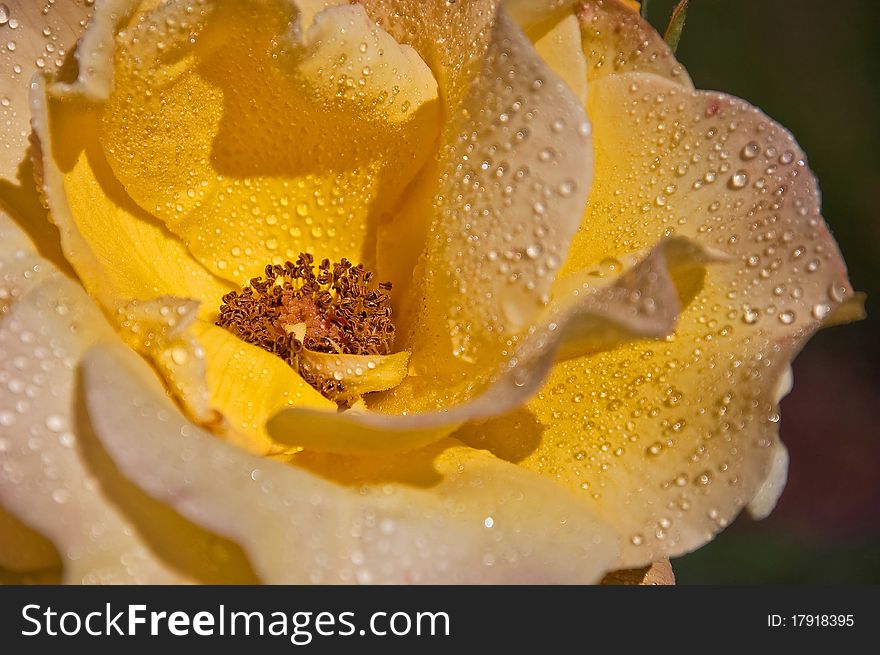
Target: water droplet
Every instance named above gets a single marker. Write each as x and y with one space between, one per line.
179 355
837 292
820 311
6 418
787 317
4 14
738 180
750 150
750 316
55 423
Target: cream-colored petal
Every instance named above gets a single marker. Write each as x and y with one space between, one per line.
670 440
35 37
585 317
771 489
52 476
617 40
768 494
484 522
43 482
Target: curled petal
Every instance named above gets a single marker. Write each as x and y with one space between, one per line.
765 499
359 374
44 483
669 441
555 32
158 330
119 252
617 40
510 184
484 521
247 385
642 303
38 37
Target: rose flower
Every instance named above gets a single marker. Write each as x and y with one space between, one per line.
389 291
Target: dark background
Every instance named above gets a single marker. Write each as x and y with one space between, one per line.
814 66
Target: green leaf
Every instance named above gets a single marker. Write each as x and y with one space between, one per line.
676 25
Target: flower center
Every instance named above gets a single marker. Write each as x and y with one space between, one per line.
332 308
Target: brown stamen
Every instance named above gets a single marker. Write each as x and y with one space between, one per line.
337 309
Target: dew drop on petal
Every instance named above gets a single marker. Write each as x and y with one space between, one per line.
738 180
750 151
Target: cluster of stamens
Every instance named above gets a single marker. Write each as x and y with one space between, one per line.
332 308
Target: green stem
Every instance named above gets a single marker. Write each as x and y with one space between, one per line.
644 9
676 25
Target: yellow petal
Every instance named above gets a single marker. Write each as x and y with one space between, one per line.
159 330
484 521
37 37
254 141
560 48
359 374
584 317
670 440
554 30
248 385
119 252
513 176
26 556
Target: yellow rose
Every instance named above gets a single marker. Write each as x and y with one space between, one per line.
598 279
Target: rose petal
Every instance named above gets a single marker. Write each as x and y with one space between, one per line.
618 40
485 521
26 555
158 329
669 441
43 482
248 385
119 252
555 32
34 37
642 303
514 172
185 129
359 374
765 499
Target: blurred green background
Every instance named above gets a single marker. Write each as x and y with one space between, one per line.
814 66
